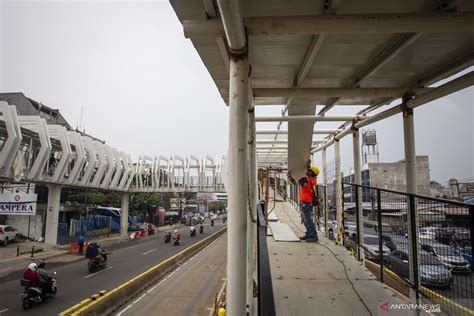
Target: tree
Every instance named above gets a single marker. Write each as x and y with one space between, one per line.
143 203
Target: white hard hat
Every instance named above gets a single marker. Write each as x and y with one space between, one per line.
32 266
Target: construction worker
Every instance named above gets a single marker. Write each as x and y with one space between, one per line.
308 199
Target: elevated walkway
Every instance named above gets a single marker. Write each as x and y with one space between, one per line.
322 278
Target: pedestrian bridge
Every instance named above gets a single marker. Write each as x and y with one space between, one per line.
37 152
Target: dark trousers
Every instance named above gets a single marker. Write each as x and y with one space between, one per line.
307 210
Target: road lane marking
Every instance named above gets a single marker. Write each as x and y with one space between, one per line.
138 299
154 287
150 251
91 275
4 310
124 310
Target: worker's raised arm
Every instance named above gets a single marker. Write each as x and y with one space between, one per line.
292 180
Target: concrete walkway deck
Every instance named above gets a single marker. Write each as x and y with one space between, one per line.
322 278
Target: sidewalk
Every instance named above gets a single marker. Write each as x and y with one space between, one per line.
323 277
11 263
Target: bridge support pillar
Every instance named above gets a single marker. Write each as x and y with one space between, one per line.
52 214
337 161
358 181
237 187
124 214
410 173
252 213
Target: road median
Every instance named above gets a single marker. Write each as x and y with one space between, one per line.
112 300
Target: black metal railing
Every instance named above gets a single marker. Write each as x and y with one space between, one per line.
409 235
266 302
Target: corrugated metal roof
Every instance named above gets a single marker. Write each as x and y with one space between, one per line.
341 60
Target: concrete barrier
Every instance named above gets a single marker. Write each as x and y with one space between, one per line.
114 299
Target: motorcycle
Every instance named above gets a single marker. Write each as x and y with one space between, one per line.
212 222
192 231
96 264
201 229
177 240
167 238
34 295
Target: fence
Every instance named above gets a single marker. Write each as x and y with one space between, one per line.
412 237
89 225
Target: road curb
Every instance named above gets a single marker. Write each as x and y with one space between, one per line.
114 299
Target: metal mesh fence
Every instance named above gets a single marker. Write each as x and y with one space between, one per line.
445 245
428 250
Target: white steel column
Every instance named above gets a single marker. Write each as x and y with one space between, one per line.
237 193
52 216
252 213
325 176
337 161
410 170
124 214
357 180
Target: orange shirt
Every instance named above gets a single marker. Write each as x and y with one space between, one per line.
306 192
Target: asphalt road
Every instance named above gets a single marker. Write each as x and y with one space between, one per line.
189 290
75 283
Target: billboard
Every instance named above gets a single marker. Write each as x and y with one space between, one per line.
18 203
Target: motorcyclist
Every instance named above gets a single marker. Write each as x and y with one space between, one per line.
31 274
192 231
177 235
44 277
201 229
168 237
101 255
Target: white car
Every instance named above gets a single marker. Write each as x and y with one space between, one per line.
7 234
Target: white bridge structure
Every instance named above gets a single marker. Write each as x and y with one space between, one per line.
34 151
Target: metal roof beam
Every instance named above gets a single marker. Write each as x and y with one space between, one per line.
331 92
393 48
311 53
316 118
450 87
316 131
324 24
270 147
233 25
314 141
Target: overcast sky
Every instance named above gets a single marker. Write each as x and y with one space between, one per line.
144 89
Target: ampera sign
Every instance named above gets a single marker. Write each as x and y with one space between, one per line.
18 203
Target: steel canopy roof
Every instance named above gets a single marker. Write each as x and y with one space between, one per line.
371 57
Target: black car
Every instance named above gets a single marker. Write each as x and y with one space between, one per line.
444 235
432 272
387 241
